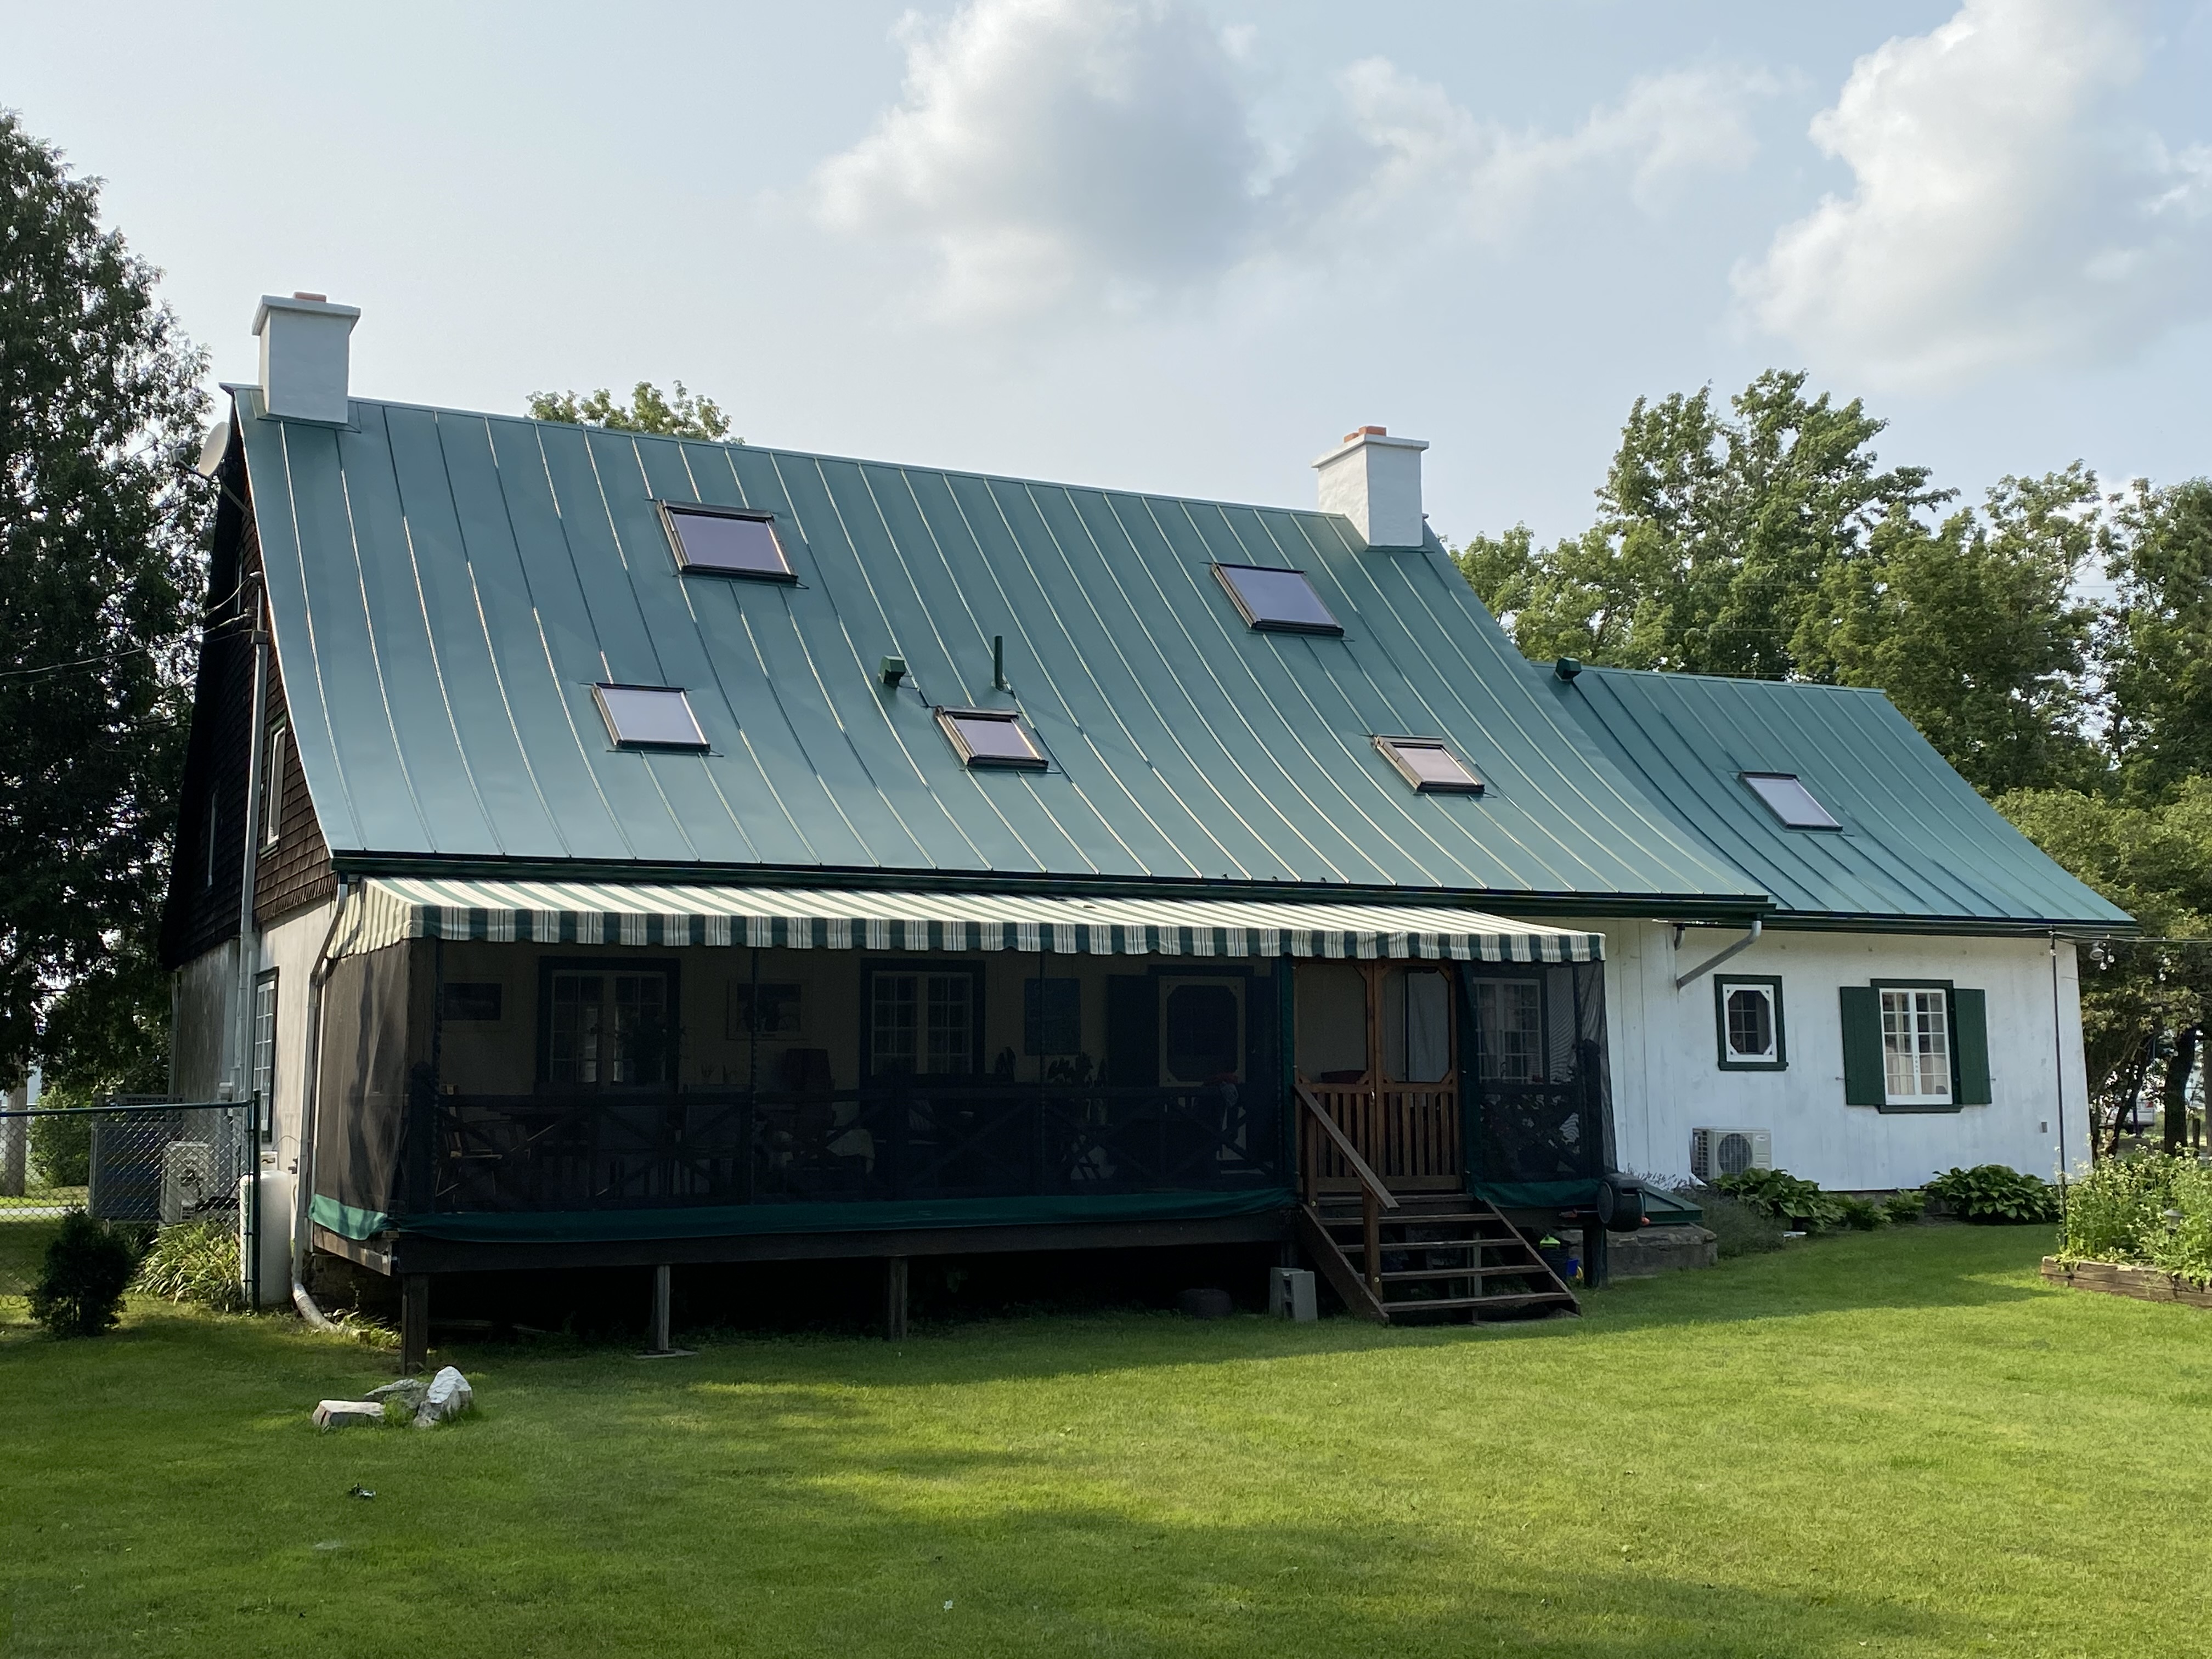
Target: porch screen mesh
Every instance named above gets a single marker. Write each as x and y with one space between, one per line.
361 1104
1539 1144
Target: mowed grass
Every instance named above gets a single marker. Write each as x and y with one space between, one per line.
1893 1444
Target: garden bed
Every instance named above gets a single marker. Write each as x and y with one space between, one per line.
2117 1278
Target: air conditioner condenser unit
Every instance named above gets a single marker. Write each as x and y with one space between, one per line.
1717 1152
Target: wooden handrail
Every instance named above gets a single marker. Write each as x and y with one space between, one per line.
1358 1165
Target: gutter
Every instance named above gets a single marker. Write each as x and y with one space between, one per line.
1703 967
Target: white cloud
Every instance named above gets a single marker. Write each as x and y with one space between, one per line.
1082 154
1051 150
2006 211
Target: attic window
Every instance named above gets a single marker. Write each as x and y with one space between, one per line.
988 738
1429 766
726 542
1790 801
648 717
1276 601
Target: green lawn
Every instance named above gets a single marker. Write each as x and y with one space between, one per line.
1891 1443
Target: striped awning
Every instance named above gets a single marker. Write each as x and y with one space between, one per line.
389 910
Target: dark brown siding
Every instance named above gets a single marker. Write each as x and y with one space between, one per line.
201 912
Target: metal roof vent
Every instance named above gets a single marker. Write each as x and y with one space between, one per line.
1374 480
304 350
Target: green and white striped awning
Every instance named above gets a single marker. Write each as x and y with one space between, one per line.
389 910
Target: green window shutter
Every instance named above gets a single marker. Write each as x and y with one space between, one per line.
1133 1030
1864 1083
1969 1030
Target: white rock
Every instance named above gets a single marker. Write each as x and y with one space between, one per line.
449 1397
349 1413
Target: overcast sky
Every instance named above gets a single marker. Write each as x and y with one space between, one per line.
1184 244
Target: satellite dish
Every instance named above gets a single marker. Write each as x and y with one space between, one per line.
212 448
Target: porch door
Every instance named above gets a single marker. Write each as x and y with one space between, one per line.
1378 1046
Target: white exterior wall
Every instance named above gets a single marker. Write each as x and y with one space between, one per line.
1667 1078
291 947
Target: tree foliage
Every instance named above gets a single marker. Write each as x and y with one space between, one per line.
1767 541
649 410
99 406
2156 638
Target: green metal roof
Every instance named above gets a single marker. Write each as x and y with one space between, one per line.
390 909
447 588
1916 842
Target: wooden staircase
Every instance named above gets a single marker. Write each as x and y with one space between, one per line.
1413 1259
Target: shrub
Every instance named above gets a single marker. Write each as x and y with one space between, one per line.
1777 1193
2150 1212
61 1147
195 1261
86 1270
1905 1207
1991 1193
1861 1214
1737 1228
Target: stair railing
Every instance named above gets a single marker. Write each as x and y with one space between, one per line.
1374 1196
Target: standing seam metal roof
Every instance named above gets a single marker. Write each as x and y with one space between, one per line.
444 588
1917 841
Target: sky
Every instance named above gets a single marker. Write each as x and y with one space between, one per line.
1185 245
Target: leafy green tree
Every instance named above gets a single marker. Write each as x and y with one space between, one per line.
649 409
1767 541
2144 1003
2155 643
100 406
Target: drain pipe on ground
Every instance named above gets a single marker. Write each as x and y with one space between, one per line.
310 1089
1744 944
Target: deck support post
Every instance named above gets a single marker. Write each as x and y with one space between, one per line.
414 1322
895 1278
662 1276
1597 1266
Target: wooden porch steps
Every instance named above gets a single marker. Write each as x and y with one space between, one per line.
1438 1258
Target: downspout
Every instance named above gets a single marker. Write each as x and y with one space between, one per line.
249 940
310 1087
1739 946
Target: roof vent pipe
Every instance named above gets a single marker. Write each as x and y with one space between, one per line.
304 351
1374 480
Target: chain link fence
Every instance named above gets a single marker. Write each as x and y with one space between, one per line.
150 1162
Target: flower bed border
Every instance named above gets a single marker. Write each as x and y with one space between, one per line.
2116 1279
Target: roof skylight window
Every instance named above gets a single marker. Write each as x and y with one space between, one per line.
1429 766
726 542
648 717
1790 801
1276 601
991 738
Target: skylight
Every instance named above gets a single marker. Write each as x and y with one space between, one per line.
1429 766
986 737
1276 601
726 542
648 717
1790 801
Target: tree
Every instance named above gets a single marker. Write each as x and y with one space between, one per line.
2155 643
100 406
2144 1004
648 411
1768 541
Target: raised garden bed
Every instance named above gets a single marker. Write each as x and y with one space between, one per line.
2144 1284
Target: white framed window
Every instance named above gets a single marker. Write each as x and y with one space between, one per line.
608 1028
265 1049
1748 1016
1916 1046
1509 1016
923 1024
272 783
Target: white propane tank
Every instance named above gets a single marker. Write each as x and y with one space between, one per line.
276 1189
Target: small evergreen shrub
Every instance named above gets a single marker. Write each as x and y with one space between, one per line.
195 1261
1991 1193
88 1268
1903 1208
1737 1228
1779 1194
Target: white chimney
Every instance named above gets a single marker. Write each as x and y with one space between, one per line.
303 356
1374 480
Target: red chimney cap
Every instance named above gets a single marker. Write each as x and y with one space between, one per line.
1367 432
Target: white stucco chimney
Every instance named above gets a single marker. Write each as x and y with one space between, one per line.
1374 480
304 350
